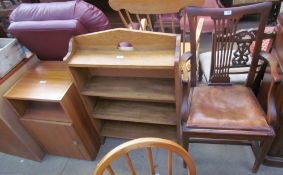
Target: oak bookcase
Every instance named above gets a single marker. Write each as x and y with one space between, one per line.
129 92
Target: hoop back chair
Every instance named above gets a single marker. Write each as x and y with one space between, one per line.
223 112
145 143
154 15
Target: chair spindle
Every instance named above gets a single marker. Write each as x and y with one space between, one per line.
110 170
184 31
123 19
139 20
161 22
130 164
150 159
172 23
149 22
169 162
130 19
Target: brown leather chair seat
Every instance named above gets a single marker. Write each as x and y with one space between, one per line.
226 107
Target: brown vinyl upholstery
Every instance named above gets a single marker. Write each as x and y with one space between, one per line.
226 107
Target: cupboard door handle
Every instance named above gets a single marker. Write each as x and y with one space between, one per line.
75 142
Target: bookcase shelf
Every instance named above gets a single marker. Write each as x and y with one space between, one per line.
141 112
129 130
48 111
147 89
129 94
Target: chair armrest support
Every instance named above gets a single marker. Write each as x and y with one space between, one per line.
184 68
272 61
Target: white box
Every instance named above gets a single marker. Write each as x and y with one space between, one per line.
11 53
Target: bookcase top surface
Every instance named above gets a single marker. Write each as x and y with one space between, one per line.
124 59
145 49
46 81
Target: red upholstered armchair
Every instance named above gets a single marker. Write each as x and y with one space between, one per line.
46 28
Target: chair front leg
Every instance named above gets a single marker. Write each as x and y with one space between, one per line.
185 144
262 152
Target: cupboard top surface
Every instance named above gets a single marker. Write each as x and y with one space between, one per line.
47 81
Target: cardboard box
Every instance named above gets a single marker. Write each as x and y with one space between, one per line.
11 53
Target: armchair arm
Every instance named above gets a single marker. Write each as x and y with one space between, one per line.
186 86
272 61
184 67
272 116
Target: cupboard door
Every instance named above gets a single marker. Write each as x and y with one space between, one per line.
56 138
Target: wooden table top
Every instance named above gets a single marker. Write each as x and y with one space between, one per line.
46 81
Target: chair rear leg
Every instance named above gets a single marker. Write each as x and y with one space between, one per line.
263 150
200 73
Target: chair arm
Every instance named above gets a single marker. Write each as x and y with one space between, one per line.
272 61
184 69
272 116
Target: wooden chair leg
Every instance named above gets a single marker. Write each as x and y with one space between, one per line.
200 73
186 147
263 150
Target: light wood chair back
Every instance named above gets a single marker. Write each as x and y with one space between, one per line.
145 143
159 16
144 11
226 36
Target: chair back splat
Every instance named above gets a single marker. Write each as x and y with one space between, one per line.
230 46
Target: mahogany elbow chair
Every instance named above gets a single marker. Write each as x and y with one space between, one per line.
222 112
144 143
